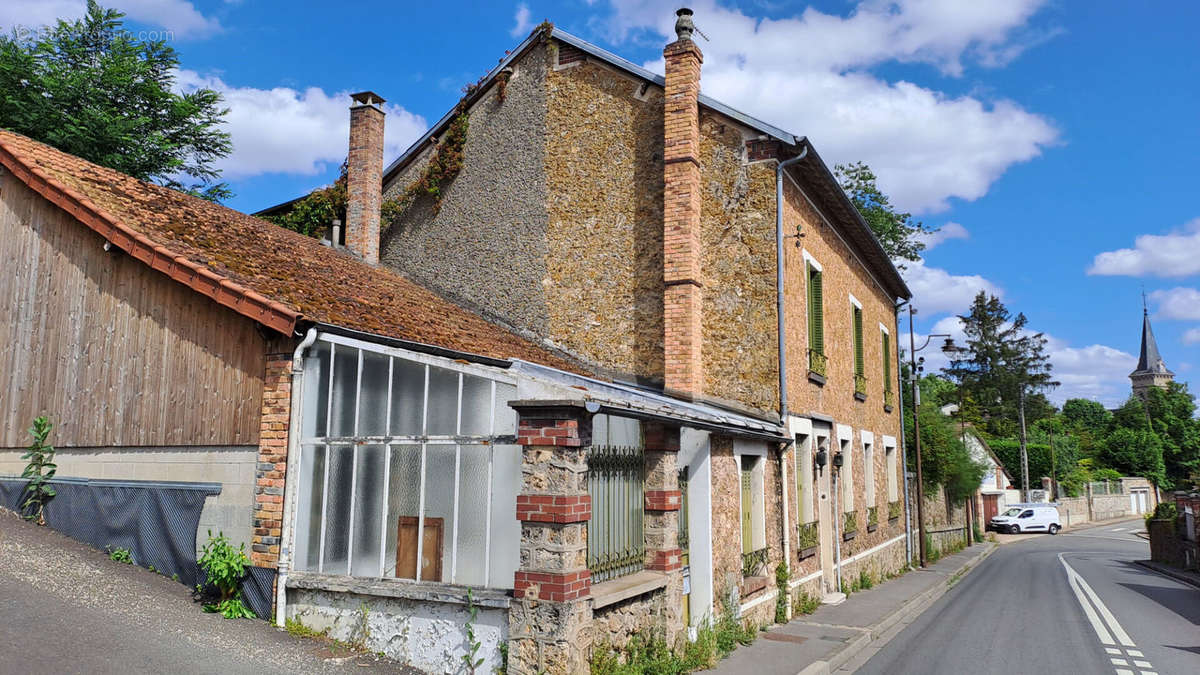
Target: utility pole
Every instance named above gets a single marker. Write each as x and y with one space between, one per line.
1053 468
1024 453
912 358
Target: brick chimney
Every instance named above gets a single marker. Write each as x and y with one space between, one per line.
684 374
364 176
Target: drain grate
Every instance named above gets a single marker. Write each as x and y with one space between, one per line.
784 637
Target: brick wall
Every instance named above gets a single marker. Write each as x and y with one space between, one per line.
364 181
272 460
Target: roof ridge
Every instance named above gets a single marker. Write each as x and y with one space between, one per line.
139 246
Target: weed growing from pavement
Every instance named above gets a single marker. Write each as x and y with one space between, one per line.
121 555
40 469
224 567
805 603
297 629
362 629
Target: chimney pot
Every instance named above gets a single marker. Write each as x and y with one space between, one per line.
684 25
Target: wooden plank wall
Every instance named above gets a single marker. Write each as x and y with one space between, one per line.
115 353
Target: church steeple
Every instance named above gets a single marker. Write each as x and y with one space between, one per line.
1151 371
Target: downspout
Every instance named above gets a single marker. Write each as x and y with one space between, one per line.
903 446
290 482
783 486
783 397
837 530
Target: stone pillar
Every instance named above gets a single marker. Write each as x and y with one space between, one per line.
663 501
550 619
271 468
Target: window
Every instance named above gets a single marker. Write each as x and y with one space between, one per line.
889 449
869 469
860 375
406 458
816 319
750 468
804 479
616 483
886 343
847 475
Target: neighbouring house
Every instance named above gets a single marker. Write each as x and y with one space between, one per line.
996 490
629 221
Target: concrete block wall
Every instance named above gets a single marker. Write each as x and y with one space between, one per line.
232 466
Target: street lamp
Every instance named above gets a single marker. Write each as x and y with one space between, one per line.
956 353
913 375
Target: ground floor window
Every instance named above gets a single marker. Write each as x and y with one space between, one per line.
408 467
616 483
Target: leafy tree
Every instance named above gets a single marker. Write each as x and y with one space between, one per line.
89 88
896 231
1000 361
945 460
1135 452
1081 413
1172 417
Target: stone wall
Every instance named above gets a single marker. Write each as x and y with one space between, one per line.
426 634
486 246
604 176
232 466
1107 507
1073 510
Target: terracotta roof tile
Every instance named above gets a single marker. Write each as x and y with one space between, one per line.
274 275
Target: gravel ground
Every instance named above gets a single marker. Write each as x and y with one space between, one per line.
69 609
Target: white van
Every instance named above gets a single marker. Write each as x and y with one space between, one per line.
1027 518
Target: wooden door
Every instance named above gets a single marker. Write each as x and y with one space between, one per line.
991 507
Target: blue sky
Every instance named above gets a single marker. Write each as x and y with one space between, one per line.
1054 142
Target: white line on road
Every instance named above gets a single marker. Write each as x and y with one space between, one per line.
1094 608
1111 620
1100 536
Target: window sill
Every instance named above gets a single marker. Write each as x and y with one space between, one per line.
622 588
872 528
407 589
887 408
752 585
859 396
847 536
816 378
808 552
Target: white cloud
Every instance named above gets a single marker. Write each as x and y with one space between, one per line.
1096 372
950 230
936 291
1176 254
523 24
283 130
1178 303
1191 337
811 74
178 16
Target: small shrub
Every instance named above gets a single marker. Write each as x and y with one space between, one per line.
121 555
865 580
225 567
806 604
40 470
1166 511
978 534
469 658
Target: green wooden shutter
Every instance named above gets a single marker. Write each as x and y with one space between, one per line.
816 313
887 361
859 366
747 523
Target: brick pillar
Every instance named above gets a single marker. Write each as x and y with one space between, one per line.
661 524
364 176
550 618
683 370
272 460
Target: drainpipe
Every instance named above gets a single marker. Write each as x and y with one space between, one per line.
293 471
903 446
837 529
783 398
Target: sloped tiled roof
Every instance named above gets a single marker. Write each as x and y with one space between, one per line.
272 275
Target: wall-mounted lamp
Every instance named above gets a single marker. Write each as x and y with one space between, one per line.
821 459
837 460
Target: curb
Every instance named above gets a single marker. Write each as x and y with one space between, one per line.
1168 572
873 634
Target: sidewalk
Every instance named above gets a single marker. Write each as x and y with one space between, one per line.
1182 576
835 635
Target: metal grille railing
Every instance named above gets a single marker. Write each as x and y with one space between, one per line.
1106 487
616 483
817 362
860 384
807 536
889 398
683 510
754 562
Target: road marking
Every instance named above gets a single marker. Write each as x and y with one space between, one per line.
1100 536
1116 529
1103 622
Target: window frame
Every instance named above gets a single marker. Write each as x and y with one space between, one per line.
392 444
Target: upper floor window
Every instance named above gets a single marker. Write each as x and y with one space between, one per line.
860 374
886 343
816 318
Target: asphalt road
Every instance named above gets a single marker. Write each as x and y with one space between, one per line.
1071 603
67 608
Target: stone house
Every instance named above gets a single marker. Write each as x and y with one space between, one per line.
678 251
